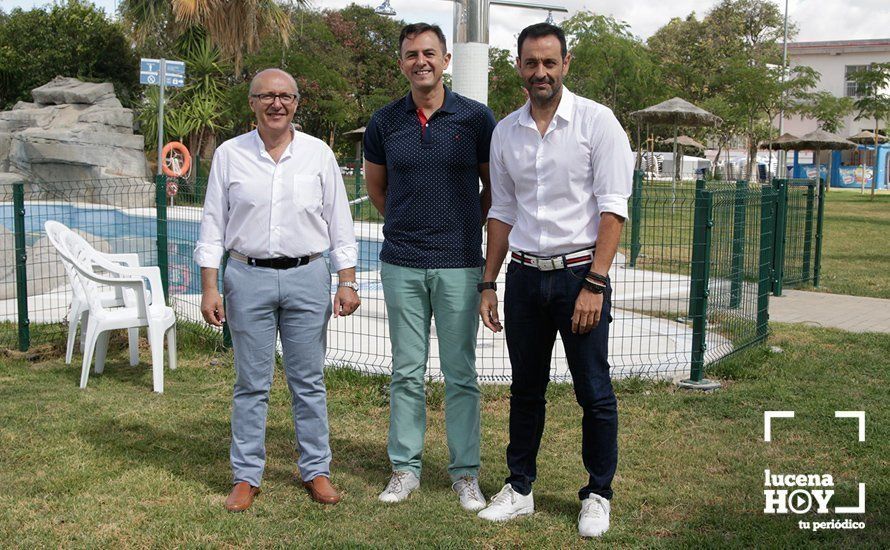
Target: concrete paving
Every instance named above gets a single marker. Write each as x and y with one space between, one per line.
851 313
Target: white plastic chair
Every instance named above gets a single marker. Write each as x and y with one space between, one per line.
79 309
94 273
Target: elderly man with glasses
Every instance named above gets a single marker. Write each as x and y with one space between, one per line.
276 201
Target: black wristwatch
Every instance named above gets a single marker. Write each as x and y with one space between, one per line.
487 285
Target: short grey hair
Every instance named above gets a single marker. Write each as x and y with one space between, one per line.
278 71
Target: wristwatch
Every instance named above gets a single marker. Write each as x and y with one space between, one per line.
487 285
349 284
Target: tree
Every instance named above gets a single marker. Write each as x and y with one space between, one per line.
71 39
874 101
827 109
236 27
505 91
610 65
686 67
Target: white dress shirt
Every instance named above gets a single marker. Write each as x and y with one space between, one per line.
553 189
263 209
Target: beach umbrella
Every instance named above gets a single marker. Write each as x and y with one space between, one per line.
780 143
676 112
817 141
868 138
685 141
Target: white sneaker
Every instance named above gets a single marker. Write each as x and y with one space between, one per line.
593 520
471 497
401 484
508 504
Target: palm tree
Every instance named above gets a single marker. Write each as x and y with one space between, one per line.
236 27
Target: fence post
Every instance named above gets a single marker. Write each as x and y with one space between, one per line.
701 273
738 244
21 271
161 205
820 218
356 208
636 217
768 199
700 185
808 232
781 186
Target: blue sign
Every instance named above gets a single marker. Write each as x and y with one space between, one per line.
174 72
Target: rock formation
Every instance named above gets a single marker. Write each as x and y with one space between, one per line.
75 135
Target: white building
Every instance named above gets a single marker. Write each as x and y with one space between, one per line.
835 61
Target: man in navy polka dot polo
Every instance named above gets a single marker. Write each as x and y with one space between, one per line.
425 154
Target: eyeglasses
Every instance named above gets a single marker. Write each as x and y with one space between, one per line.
269 99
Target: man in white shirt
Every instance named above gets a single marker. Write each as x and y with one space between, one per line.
561 173
276 201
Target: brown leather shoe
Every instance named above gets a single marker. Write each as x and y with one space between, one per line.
321 490
241 497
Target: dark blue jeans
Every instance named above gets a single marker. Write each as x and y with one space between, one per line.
537 306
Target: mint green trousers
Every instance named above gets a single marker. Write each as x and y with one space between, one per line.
414 296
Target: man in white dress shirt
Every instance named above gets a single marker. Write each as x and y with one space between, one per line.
276 201
561 173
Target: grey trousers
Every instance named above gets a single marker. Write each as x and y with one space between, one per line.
262 303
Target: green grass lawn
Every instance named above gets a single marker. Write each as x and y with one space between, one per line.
856 252
117 466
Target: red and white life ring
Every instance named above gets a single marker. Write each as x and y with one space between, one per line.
177 159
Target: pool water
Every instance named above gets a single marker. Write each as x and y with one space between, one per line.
126 232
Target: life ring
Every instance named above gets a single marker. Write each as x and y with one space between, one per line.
176 159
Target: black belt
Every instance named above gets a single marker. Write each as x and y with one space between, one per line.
274 263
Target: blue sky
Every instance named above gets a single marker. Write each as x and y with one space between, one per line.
816 19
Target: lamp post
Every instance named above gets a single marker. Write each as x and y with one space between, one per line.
470 42
782 160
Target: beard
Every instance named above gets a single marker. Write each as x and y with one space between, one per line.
543 95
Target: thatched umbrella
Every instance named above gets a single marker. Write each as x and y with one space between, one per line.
816 141
685 141
676 112
780 143
868 138
356 135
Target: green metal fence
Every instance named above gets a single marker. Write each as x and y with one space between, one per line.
690 281
798 233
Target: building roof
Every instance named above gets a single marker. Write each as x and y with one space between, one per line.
839 46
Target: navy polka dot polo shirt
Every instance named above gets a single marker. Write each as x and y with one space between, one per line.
433 214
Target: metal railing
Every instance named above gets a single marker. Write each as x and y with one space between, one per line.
690 280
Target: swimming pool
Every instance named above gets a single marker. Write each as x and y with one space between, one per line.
135 231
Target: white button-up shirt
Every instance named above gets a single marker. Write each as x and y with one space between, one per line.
263 209
553 189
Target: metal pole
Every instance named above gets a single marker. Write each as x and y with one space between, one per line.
21 265
470 71
767 239
162 74
738 244
808 231
161 205
781 220
701 272
636 217
781 171
820 218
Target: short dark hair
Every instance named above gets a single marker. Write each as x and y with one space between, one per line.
539 30
414 29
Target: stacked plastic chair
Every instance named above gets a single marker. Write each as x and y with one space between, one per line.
112 294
